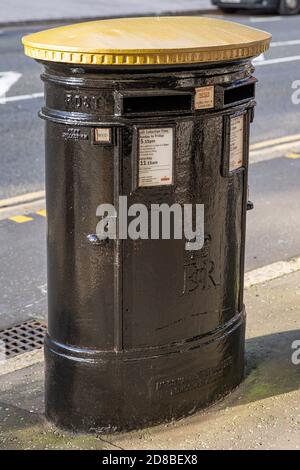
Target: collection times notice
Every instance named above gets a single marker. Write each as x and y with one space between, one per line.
236 150
155 162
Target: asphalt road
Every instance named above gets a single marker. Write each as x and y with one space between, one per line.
21 131
273 226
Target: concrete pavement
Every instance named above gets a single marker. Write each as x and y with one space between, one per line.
32 11
262 413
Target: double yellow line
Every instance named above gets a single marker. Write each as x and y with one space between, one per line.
286 145
19 209
21 219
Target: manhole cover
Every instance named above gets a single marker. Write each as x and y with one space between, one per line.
22 338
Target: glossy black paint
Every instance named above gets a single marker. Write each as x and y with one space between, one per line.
143 331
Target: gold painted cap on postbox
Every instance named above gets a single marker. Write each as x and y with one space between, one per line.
147 41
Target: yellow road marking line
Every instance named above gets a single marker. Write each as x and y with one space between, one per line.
271 142
42 213
258 152
20 219
293 155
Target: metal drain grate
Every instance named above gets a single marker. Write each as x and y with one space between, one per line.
22 338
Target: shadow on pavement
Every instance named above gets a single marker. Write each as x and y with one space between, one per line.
269 368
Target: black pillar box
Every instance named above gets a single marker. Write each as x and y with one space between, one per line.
144 331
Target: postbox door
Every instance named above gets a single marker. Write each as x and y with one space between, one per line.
171 294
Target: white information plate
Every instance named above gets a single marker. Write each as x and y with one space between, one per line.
204 97
103 135
155 159
236 150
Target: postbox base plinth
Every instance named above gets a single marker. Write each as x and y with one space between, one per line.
109 392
